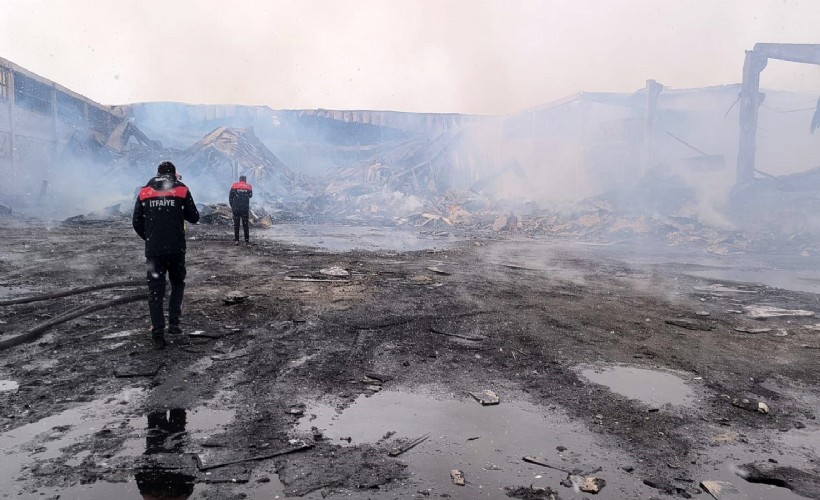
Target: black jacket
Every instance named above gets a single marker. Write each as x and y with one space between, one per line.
159 214
240 198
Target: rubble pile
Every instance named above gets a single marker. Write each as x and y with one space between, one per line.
220 213
228 152
104 216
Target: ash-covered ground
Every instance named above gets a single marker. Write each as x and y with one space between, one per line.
651 370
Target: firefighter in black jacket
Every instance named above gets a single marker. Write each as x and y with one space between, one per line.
240 200
160 212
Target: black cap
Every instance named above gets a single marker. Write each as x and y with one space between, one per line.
242 178
166 168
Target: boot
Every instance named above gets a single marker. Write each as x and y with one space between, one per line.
158 339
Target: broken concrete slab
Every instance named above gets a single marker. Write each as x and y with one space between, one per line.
235 297
437 270
763 312
591 484
458 477
486 398
753 331
334 271
722 490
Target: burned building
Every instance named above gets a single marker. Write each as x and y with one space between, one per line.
39 121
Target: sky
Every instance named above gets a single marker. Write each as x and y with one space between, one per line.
462 56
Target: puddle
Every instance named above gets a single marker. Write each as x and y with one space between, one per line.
803 280
338 238
726 461
8 385
199 424
486 442
654 388
163 431
43 440
804 440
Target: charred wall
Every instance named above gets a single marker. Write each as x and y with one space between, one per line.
39 119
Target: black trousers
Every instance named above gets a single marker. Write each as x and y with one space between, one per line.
174 266
244 218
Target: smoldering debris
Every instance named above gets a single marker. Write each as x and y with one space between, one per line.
228 152
106 215
221 213
489 176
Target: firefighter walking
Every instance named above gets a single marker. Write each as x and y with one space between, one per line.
160 212
240 200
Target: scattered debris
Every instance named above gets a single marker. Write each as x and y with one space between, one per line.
235 297
532 493
722 490
458 477
718 288
465 337
763 312
486 398
689 324
335 271
542 462
309 279
748 405
438 271
591 484
208 466
746 329
408 446
378 376
75 291
37 331
297 410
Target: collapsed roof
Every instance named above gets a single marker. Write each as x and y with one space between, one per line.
229 152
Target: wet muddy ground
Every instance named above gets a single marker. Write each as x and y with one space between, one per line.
643 368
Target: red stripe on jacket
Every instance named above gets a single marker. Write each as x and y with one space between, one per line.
242 185
149 192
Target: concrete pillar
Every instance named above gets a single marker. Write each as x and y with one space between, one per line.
653 90
13 136
55 137
749 104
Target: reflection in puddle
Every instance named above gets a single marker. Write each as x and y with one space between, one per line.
166 435
44 439
652 387
336 238
486 442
